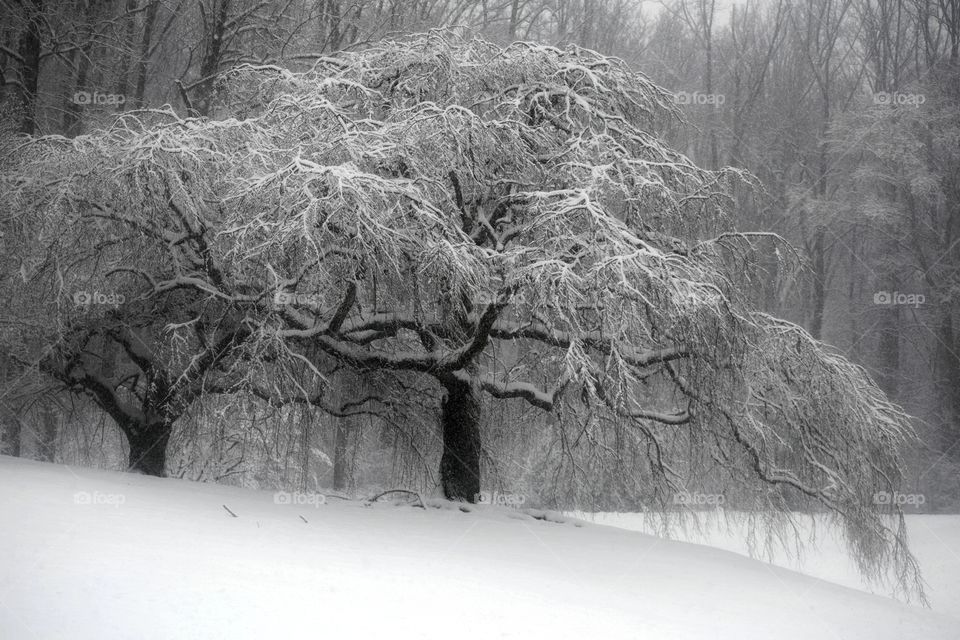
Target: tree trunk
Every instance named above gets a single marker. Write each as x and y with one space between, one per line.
148 448
889 347
514 20
460 421
127 59
819 297
29 50
712 109
144 59
214 42
306 428
48 435
947 378
340 462
333 35
12 431
72 111
10 427
889 354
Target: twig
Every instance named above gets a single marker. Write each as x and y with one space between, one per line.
422 504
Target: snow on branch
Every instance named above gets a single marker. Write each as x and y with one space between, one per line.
436 207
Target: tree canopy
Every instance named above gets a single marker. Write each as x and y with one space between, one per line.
488 221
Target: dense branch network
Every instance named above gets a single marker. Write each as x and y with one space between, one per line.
503 220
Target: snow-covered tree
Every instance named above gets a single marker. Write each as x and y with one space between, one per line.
499 221
76 312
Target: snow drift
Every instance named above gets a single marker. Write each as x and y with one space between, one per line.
94 554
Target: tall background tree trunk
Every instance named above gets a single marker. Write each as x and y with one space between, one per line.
341 465
10 427
29 50
127 52
49 430
947 376
143 61
818 298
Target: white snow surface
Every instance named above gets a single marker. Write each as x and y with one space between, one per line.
934 541
96 554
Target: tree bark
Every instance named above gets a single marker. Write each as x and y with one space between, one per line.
819 296
10 427
333 34
72 118
514 20
144 60
888 346
12 432
460 422
29 50
947 377
48 435
148 448
214 42
340 463
126 52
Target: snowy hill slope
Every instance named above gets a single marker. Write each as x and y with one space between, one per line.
92 554
934 541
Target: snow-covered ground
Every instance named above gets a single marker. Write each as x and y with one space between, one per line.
934 541
92 554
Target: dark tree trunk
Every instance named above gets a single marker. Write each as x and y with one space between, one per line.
340 463
947 376
332 18
889 349
148 448
144 60
72 112
10 427
888 346
819 297
514 19
123 76
212 58
48 435
460 421
81 58
29 50
12 431
306 428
